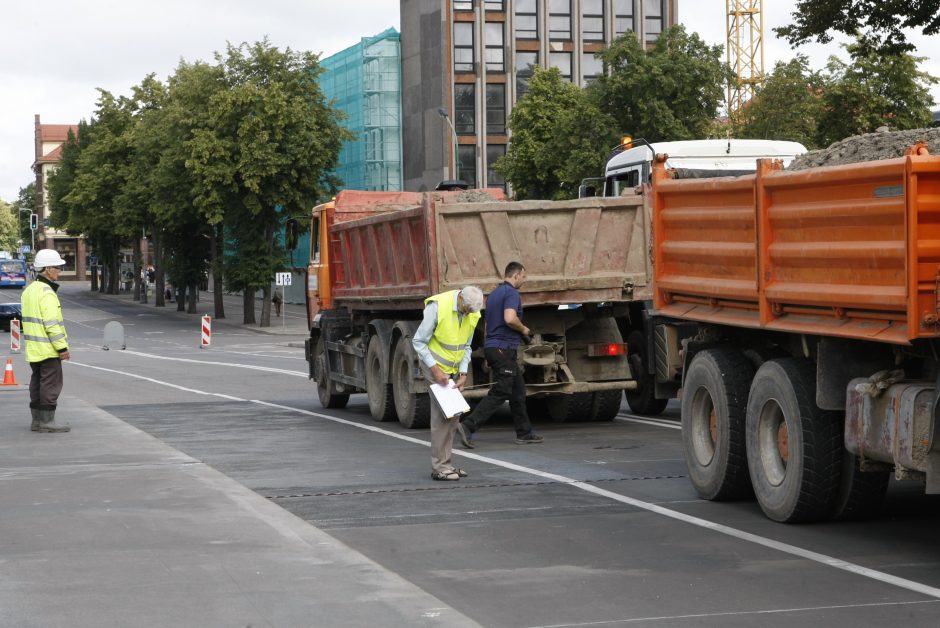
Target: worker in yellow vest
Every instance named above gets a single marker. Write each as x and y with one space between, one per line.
442 343
46 341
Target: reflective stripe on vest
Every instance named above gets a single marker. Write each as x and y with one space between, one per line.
449 341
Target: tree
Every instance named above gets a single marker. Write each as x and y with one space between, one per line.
270 142
874 89
671 92
9 227
558 138
787 106
25 204
879 22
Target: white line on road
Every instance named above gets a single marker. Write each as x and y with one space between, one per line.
830 561
629 418
252 367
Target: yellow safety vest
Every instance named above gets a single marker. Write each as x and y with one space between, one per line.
449 341
43 327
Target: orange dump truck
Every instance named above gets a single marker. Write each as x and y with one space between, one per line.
800 314
376 256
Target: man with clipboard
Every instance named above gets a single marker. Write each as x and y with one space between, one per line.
442 343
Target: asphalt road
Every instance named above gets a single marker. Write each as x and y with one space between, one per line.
598 526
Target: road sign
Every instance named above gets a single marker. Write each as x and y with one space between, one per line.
26 249
282 279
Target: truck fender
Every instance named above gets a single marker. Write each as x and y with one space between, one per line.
384 329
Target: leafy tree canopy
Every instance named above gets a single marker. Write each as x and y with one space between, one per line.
880 23
9 227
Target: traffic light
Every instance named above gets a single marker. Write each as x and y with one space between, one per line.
34 221
291 234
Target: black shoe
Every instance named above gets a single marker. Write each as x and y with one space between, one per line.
529 439
466 436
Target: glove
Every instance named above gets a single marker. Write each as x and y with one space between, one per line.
527 340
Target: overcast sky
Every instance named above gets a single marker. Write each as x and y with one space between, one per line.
56 53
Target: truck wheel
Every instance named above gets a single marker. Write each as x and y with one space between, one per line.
714 403
794 449
414 410
328 398
642 399
381 400
536 408
606 405
571 408
861 493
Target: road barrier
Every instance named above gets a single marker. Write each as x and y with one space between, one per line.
9 379
15 336
206 332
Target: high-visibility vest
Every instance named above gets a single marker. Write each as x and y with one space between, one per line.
43 327
450 337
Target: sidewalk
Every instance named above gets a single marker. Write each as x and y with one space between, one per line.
108 526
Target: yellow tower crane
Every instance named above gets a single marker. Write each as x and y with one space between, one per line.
745 51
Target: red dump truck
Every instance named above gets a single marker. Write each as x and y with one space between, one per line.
800 314
376 256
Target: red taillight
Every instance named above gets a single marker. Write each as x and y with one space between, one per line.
606 350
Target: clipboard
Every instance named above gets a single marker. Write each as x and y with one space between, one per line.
449 400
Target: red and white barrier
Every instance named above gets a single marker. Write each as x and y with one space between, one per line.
206 332
16 337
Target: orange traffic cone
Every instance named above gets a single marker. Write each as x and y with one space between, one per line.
8 378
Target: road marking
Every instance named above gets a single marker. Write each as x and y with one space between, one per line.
252 367
786 548
629 418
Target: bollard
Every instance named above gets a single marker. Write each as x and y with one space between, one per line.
206 332
15 336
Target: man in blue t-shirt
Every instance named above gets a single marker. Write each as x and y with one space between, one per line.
504 332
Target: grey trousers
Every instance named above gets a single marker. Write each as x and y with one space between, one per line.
442 435
45 384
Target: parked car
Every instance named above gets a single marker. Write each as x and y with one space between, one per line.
9 311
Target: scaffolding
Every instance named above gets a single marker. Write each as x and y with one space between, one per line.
364 81
745 51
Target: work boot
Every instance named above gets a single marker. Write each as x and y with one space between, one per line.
34 427
47 422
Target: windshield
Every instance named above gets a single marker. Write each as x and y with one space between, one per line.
13 266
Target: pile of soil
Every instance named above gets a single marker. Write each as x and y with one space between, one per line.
868 147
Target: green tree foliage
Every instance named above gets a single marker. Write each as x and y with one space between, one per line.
787 106
559 138
880 22
25 201
872 90
9 227
670 92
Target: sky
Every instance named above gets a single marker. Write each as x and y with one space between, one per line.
56 53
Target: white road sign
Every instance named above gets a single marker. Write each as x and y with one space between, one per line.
282 279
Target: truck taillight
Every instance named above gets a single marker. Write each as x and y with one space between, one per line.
606 350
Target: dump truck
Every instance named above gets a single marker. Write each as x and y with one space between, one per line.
799 314
376 257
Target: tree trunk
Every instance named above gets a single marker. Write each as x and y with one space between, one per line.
181 298
94 277
216 243
114 286
160 281
191 300
266 299
248 300
137 266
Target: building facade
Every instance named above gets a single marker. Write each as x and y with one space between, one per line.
466 62
48 151
364 81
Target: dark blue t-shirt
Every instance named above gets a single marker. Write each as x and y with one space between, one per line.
498 335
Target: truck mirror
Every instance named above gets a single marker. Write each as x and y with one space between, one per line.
585 191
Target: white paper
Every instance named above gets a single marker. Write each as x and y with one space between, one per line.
449 399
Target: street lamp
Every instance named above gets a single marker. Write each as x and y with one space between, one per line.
443 114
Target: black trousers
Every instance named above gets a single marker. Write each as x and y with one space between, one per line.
508 385
45 384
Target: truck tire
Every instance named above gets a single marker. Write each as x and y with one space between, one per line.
606 405
861 493
642 399
379 391
414 410
714 405
571 408
328 398
536 408
794 449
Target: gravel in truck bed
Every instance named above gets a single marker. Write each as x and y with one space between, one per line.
868 147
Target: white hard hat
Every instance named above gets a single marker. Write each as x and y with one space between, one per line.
47 257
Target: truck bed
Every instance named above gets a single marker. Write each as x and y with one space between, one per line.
850 251
398 250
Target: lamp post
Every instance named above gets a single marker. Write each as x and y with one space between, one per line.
443 114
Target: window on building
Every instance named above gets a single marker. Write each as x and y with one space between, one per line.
592 22
495 108
623 17
495 51
467 164
493 5
463 47
463 5
464 109
653 10
526 62
591 66
562 61
527 19
559 19
493 153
